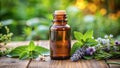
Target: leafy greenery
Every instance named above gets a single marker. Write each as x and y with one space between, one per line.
118 63
83 40
28 51
4 38
76 46
5 52
88 57
16 52
105 48
102 55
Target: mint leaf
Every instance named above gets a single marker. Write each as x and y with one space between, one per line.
35 54
27 52
24 55
16 52
76 46
91 42
78 36
31 46
42 50
88 34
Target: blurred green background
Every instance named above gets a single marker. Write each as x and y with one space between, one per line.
31 19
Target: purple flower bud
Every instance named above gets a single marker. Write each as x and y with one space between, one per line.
117 43
90 50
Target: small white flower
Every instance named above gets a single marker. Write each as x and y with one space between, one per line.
108 46
99 39
107 41
106 36
103 41
111 35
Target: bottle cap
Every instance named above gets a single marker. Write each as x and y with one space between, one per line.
60 12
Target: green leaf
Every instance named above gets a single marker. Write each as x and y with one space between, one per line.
17 51
27 52
115 54
88 34
78 36
102 55
91 42
0 53
42 50
88 57
76 46
24 55
35 54
118 63
31 46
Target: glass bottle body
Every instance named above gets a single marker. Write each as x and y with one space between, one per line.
60 41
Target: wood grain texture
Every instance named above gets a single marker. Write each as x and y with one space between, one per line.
6 62
68 64
114 65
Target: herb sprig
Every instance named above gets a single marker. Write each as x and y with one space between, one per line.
86 40
28 52
4 38
100 48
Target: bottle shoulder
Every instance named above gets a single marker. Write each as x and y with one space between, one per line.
60 27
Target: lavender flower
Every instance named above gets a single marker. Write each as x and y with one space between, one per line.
117 43
90 50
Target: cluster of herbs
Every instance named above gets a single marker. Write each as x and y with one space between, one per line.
4 38
30 51
5 51
23 52
100 48
107 48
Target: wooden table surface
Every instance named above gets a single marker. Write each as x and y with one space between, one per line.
6 62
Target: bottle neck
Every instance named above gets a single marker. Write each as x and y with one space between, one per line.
60 19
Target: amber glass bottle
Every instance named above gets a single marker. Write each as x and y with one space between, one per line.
60 40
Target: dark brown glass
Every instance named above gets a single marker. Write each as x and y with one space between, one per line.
60 40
